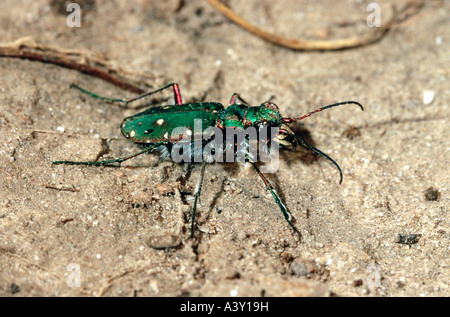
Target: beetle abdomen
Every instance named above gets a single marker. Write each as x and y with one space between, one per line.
170 123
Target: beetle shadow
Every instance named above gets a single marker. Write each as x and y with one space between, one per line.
231 170
307 157
218 195
183 176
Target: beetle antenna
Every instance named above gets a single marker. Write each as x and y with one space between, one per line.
290 120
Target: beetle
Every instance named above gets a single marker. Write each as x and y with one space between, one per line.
153 128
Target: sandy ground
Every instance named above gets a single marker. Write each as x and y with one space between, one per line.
125 231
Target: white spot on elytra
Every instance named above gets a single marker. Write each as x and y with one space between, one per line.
166 135
132 133
160 122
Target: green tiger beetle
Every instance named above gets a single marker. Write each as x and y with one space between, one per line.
152 130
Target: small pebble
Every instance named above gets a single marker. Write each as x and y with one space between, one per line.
428 96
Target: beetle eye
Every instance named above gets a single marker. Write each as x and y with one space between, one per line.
263 124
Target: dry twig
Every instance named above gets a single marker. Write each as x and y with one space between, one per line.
83 61
60 187
375 35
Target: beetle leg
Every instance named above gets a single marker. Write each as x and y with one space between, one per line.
237 96
198 190
107 162
269 187
176 92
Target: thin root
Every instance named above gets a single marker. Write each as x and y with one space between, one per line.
411 8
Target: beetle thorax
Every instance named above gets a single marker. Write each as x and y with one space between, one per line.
266 114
